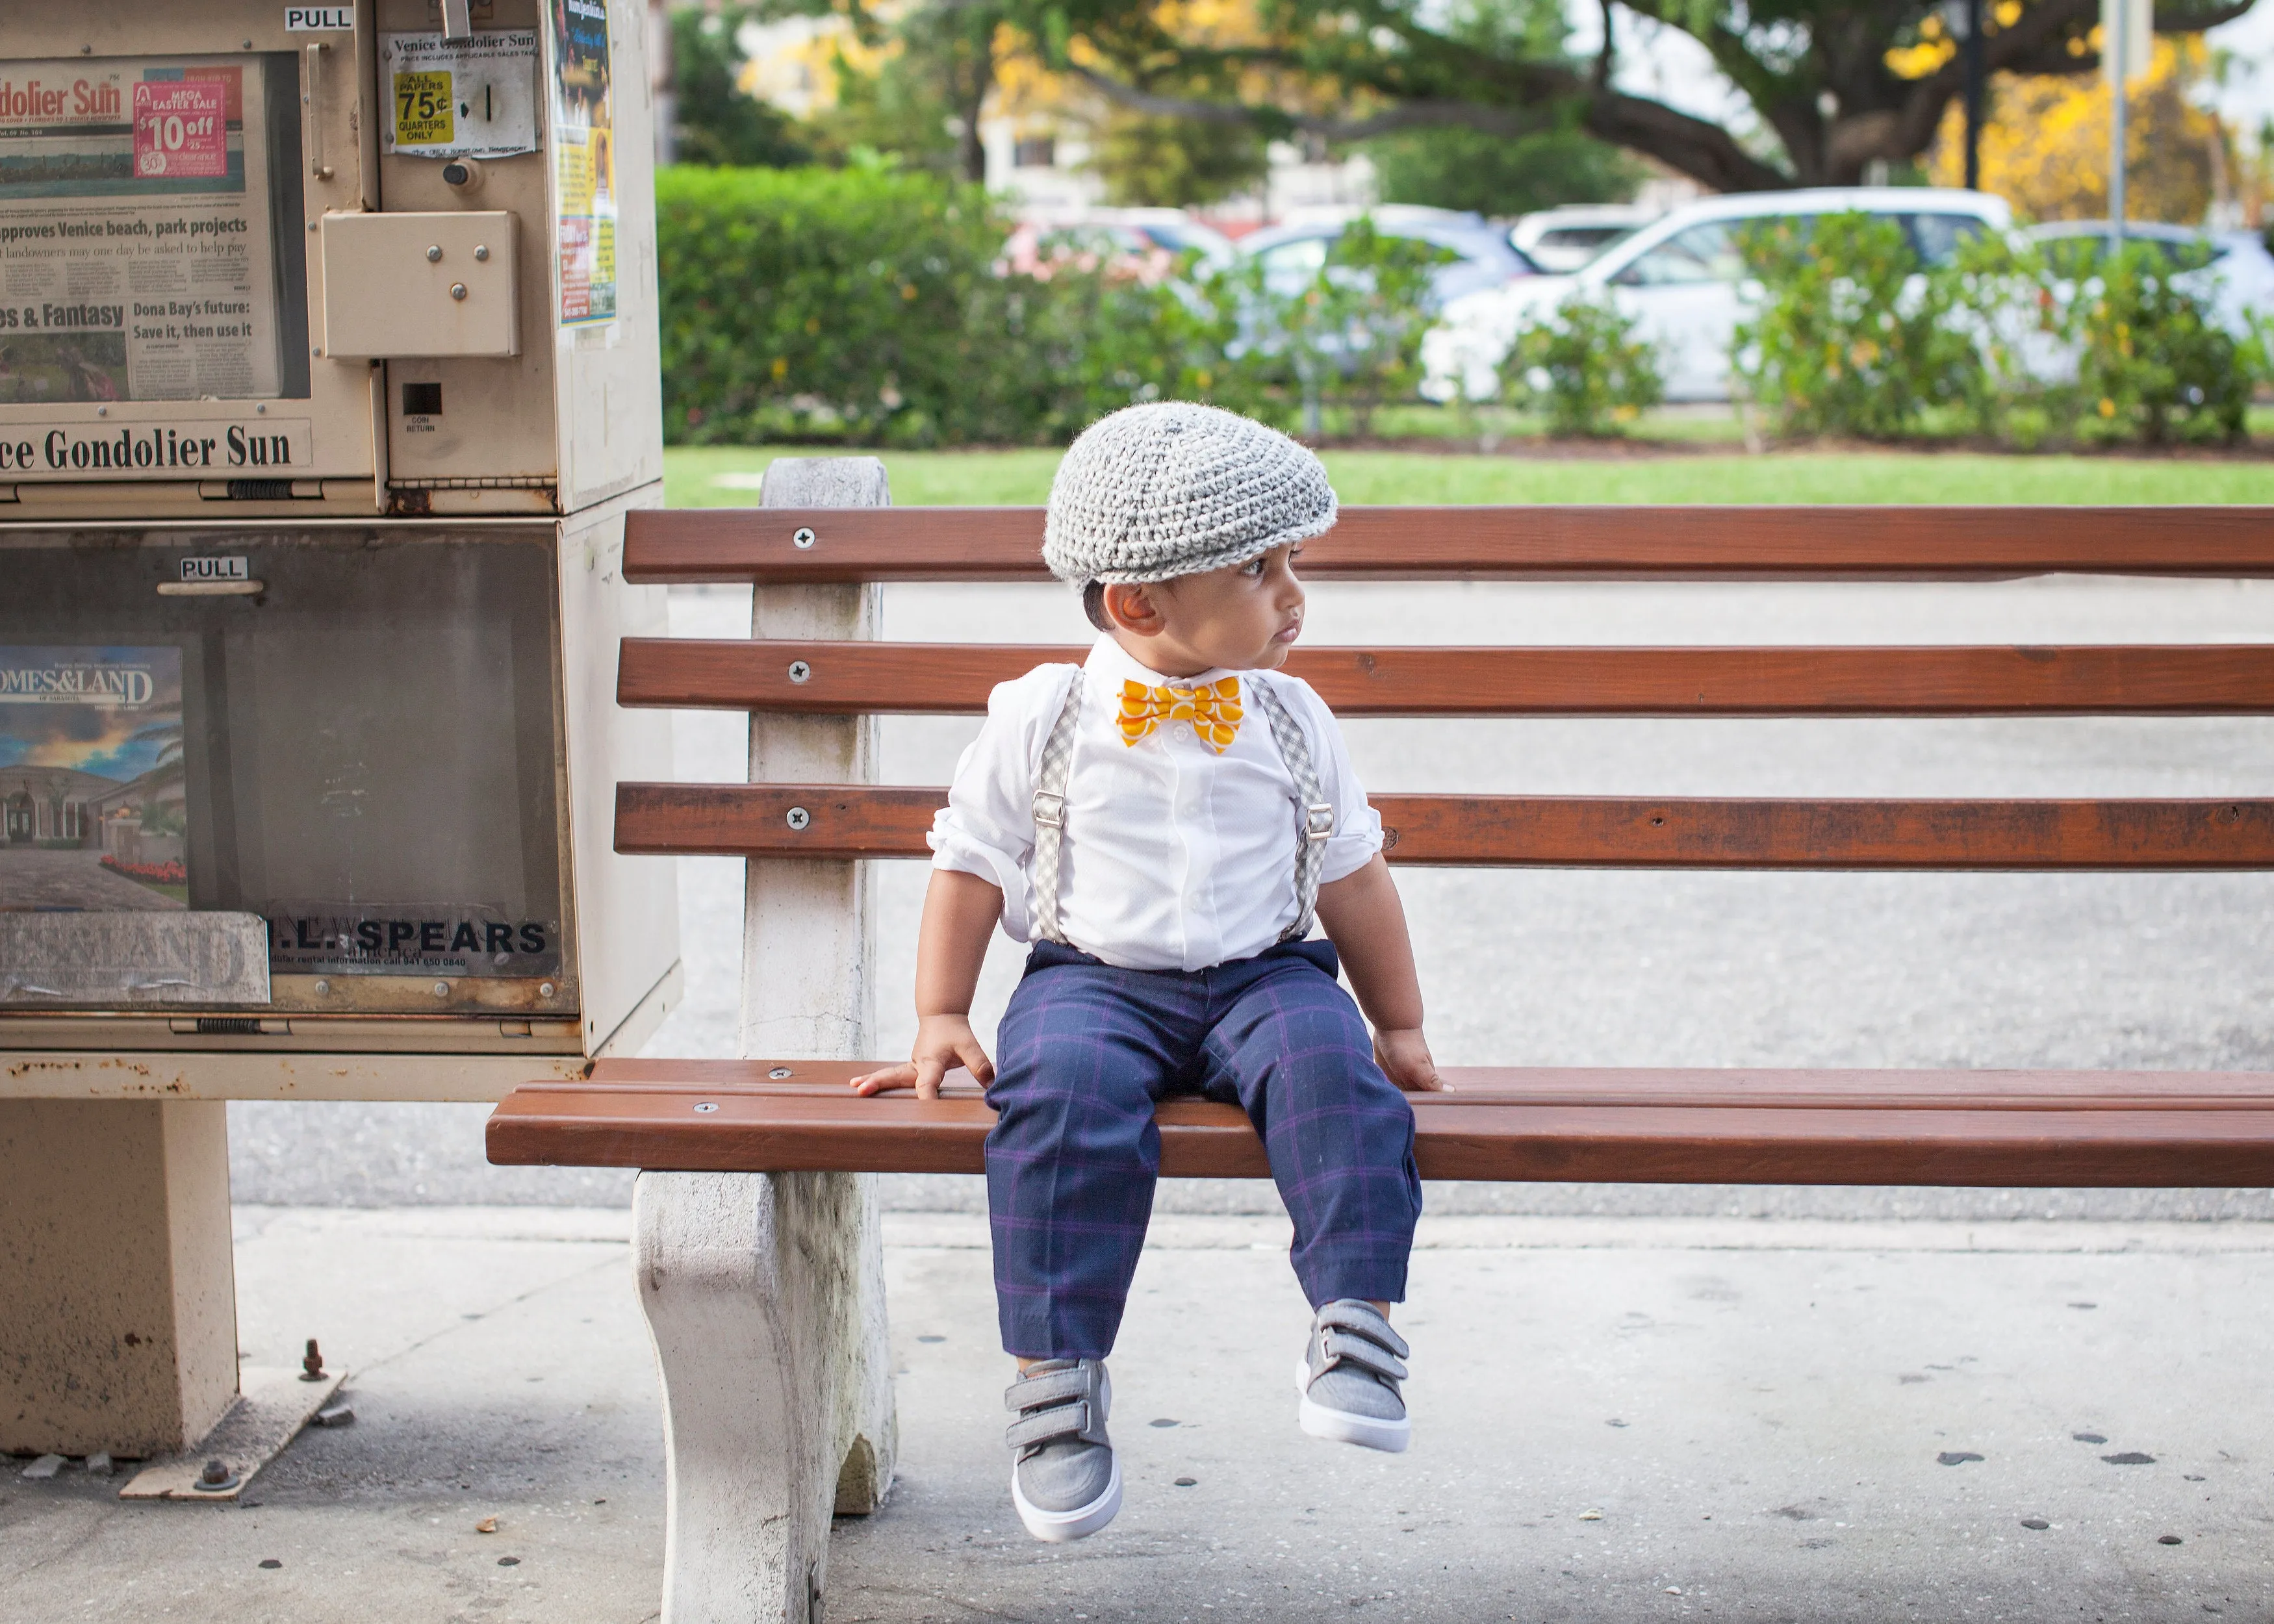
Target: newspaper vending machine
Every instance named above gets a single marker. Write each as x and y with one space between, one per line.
327 375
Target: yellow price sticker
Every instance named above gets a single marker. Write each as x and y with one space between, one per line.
425 113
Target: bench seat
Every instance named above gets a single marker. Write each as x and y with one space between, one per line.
766 1295
1645 1126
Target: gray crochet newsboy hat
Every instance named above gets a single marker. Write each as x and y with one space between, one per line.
1173 489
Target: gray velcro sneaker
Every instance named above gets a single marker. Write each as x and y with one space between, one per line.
1063 1477
1349 1375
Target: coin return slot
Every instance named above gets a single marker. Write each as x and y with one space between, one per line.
422 400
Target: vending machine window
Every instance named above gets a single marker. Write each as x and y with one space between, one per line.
352 734
150 234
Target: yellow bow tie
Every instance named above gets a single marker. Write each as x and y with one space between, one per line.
1213 710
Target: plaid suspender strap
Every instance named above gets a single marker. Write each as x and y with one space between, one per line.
1315 813
1049 813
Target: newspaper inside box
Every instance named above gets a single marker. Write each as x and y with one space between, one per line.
363 754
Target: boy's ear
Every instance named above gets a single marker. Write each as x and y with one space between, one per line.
1133 609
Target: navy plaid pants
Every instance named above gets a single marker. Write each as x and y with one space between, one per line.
1083 1052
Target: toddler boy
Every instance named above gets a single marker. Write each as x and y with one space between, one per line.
1162 823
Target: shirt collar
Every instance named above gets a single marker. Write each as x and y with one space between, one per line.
1109 660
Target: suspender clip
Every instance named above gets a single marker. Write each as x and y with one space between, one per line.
1050 809
1318 821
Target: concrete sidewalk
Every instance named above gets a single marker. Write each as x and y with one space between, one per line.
1615 1418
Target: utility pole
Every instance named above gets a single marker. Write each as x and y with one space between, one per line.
2114 38
1974 97
2125 40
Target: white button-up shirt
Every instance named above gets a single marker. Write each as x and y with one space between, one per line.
1174 858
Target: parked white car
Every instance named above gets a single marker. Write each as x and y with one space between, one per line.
1559 240
1682 277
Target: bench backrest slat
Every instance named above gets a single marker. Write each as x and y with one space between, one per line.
843 822
1493 543
846 678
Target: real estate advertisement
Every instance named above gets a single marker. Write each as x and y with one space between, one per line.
93 815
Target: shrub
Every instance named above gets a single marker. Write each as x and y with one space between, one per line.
170 872
1849 336
869 307
1584 367
1350 337
2152 361
805 303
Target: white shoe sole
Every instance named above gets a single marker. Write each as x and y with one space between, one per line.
1342 1427
1059 1527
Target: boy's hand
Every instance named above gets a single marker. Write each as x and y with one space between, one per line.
1404 1056
943 1043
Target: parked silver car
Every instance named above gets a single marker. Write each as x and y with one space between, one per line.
1560 240
1293 253
2233 268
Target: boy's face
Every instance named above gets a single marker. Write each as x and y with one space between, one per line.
1242 619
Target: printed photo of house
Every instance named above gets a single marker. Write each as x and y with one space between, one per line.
94 803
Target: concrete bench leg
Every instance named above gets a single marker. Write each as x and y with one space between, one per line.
765 1295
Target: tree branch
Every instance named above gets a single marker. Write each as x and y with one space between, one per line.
1705 151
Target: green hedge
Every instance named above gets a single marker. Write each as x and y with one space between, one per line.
804 301
864 306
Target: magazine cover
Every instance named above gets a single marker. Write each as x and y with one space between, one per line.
93 812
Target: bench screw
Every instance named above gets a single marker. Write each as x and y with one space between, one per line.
707 1106
799 817
779 1072
802 537
799 671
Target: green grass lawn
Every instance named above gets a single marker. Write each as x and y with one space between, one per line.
716 477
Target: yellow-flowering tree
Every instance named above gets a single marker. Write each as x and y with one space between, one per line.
2045 144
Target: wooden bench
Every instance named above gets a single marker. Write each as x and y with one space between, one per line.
758 1255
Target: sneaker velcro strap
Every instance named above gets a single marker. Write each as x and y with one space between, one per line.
1339 1348
1053 1387
1081 1419
1065 1421
1348 1314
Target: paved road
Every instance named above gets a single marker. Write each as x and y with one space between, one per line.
1595 969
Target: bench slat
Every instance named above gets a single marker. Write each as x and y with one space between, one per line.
1494 543
1762 1087
1817 1127
846 822
846 678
